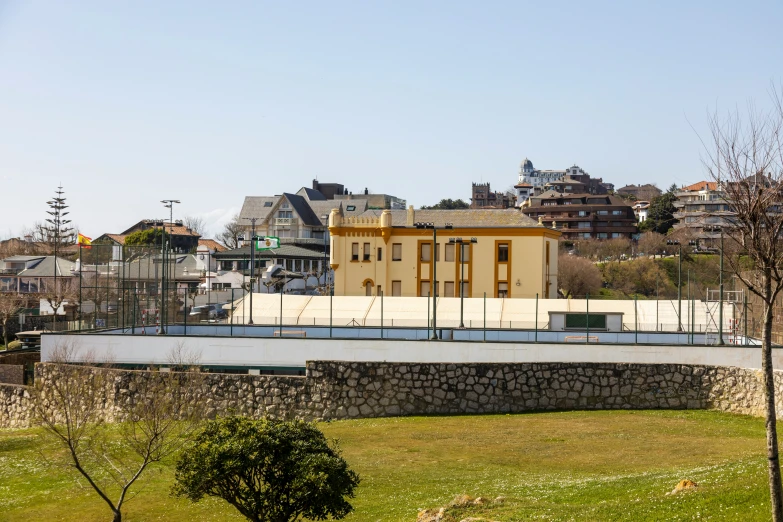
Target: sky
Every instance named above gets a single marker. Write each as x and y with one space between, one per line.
125 104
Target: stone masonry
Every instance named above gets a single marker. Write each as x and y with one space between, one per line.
11 373
341 390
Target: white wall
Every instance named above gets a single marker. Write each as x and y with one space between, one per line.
254 351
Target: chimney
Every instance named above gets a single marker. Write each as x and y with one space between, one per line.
411 217
366 191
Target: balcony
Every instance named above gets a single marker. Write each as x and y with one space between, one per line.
285 222
10 271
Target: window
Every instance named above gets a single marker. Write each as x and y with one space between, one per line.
368 288
449 252
426 252
502 290
617 223
285 214
397 252
601 235
285 204
396 288
366 256
586 235
448 289
618 212
267 203
350 208
581 321
380 254
424 288
437 251
465 288
466 253
603 212
355 252
502 252
583 224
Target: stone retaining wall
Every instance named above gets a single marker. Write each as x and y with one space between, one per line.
338 390
11 374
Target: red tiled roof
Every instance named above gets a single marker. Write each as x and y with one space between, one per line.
702 185
212 245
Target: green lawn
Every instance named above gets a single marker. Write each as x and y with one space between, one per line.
548 466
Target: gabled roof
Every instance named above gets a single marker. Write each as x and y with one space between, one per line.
47 266
116 238
258 207
303 210
287 251
311 194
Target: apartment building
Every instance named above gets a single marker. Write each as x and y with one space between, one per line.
583 216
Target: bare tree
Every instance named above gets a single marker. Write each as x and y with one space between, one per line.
231 233
652 243
577 276
58 291
159 411
10 306
745 157
196 224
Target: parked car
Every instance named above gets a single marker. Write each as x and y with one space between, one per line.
205 312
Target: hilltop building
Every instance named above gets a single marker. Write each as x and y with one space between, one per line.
533 181
483 197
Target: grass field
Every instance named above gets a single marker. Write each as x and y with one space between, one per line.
548 466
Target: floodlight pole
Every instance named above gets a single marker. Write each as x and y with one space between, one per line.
679 282
462 242
720 304
252 263
169 204
433 260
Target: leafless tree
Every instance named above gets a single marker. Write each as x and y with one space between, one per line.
577 276
745 156
196 224
10 306
56 292
652 243
231 233
159 412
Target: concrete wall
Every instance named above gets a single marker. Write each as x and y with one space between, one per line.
337 390
271 352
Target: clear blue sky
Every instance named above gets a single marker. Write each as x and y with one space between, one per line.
128 103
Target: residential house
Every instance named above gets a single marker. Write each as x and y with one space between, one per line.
640 210
644 192
538 179
35 274
183 239
389 252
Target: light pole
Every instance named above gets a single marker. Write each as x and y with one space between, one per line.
462 244
679 282
434 285
169 204
720 303
324 218
252 263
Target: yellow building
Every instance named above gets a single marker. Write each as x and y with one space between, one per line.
391 251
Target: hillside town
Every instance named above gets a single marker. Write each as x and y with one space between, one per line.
390 261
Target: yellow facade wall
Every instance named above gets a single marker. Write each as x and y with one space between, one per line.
526 273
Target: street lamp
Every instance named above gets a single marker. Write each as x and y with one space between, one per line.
679 282
253 239
462 244
169 204
434 285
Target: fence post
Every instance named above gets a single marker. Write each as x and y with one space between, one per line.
231 328
381 314
281 313
536 337
185 313
587 317
485 317
635 319
331 296
745 316
428 315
